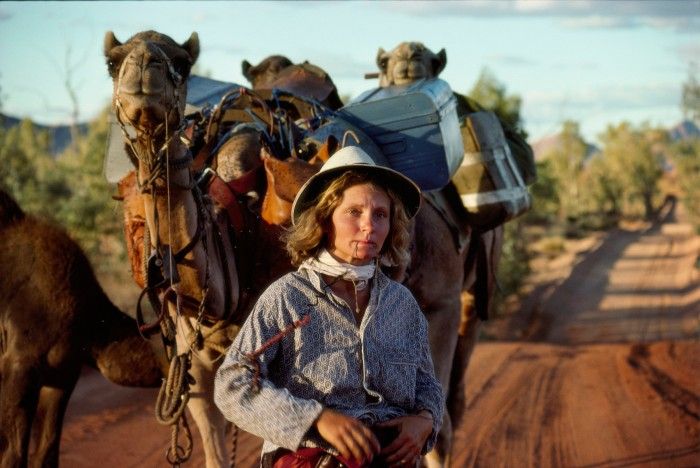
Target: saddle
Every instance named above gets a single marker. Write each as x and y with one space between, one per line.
280 117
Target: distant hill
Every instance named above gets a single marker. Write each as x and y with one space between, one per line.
59 135
549 143
684 130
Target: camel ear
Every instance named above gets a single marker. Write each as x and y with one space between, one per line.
382 60
439 63
110 42
192 47
245 68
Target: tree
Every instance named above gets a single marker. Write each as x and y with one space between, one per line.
89 212
491 94
566 162
690 100
686 157
605 188
635 157
24 162
545 199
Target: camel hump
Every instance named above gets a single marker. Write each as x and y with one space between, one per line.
10 211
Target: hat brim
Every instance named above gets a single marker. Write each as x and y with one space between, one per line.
408 192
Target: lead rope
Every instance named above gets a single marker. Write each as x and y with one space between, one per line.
174 391
234 445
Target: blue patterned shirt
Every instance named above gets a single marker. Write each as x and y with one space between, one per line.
376 372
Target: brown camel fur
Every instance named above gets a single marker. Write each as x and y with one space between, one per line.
264 73
54 318
303 79
406 63
149 73
435 275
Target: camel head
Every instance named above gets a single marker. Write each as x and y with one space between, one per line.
408 62
264 73
150 73
305 79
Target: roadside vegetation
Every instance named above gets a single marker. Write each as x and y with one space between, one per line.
578 191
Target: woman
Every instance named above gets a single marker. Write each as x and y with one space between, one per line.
333 364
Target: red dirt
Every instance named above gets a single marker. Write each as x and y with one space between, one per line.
598 367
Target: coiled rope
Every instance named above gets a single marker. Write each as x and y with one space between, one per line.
170 406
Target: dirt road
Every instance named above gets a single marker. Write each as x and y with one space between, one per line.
599 367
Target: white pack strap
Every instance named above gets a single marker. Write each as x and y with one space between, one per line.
476 200
479 157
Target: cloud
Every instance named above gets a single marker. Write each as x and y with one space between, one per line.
5 15
663 14
610 96
595 108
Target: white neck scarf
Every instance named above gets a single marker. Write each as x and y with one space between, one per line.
325 264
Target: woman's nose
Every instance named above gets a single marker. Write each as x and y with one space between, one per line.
367 223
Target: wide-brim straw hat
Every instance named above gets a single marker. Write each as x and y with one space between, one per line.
349 158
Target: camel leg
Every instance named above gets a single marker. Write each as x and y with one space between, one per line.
19 392
443 345
468 336
209 420
53 402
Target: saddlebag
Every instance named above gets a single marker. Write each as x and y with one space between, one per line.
488 181
134 225
415 126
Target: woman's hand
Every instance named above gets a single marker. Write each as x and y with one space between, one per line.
349 436
406 448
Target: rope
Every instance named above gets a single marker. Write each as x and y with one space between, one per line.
174 391
234 445
177 454
170 408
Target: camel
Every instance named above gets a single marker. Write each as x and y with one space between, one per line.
409 62
303 79
192 250
54 319
260 76
191 241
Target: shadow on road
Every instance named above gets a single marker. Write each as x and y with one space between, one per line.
549 306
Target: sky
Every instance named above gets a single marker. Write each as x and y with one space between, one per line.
596 62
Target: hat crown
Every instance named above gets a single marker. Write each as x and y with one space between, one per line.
346 156
354 157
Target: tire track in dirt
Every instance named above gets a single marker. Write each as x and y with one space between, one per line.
520 395
667 388
564 406
632 400
634 285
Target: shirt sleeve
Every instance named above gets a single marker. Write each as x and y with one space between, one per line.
265 410
429 394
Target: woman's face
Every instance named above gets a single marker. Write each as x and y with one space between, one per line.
360 224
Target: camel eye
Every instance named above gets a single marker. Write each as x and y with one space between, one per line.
182 67
111 67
